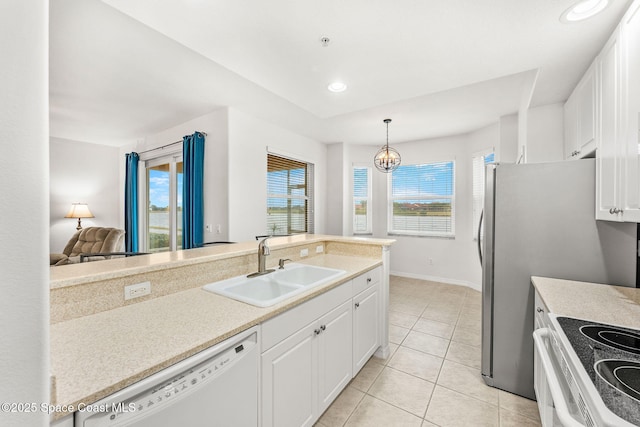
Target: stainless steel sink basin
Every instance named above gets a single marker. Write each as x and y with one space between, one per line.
267 290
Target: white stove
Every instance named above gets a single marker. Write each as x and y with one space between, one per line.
587 373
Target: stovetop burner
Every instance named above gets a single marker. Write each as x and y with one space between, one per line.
613 337
611 357
623 375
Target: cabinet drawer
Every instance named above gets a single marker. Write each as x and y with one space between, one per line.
286 324
366 280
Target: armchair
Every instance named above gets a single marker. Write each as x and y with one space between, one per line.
91 240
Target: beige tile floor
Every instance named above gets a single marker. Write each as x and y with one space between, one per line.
432 377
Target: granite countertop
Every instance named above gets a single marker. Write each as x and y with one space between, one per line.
88 272
94 356
614 305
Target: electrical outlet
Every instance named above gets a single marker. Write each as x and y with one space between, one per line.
218 229
430 261
137 290
319 249
208 228
304 253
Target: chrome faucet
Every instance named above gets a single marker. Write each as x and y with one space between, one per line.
281 263
263 251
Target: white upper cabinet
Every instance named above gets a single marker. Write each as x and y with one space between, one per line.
630 150
607 159
618 159
571 128
580 117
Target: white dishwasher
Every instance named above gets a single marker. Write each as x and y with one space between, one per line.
216 387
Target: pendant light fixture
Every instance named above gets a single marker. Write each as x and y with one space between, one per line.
387 159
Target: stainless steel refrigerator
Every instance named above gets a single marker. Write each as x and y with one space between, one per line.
539 220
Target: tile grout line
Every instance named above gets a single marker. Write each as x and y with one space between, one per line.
467 305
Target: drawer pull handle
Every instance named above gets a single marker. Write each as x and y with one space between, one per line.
357 304
539 310
368 279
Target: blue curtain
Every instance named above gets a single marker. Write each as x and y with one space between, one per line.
131 202
192 191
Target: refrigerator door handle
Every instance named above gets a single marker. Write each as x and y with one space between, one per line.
479 234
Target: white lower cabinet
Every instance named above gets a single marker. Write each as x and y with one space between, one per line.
303 374
290 381
366 326
311 352
334 354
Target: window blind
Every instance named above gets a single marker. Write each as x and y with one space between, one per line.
289 196
362 200
422 200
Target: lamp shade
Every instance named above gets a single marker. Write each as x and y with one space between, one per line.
79 210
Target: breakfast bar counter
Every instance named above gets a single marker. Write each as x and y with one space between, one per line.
107 348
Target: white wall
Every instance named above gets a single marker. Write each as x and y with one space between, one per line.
249 138
545 133
337 190
455 260
508 152
216 166
236 168
24 209
84 173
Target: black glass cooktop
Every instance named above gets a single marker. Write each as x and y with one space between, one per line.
611 357
614 337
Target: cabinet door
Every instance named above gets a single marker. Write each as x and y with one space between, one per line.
586 98
630 30
366 327
335 354
608 162
570 129
289 381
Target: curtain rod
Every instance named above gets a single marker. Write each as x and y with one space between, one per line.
168 145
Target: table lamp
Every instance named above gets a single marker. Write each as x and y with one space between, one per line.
79 210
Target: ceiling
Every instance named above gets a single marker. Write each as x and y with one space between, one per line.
121 70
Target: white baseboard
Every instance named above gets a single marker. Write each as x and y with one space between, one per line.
474 286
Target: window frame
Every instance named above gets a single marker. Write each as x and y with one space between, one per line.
171 156
368 199
309 196
390 200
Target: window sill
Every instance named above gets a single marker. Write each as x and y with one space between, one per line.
433 236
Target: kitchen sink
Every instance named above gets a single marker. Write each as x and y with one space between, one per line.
307 275
269 289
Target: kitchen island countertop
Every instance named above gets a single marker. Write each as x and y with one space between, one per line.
97 355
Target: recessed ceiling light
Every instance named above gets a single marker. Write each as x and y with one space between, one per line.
337 87
583 10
